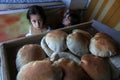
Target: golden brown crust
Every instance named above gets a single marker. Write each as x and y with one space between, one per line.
72 71
28 53
96 67
40 70
103 45
56 35
86 34
56 40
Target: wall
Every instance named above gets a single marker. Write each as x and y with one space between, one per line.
105 11
12 25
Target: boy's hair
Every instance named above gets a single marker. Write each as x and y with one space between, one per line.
75 18
36 10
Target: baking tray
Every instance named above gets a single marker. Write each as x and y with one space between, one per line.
8 49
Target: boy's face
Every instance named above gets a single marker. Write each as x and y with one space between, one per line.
36 21
66 20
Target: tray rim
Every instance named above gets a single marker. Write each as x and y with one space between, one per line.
21 41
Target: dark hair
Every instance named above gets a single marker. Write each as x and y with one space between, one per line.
35 9
75 18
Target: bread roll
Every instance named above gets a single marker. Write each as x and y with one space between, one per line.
28 53
55 41
78 42
96 67
103 45
72 71
40 70
45 47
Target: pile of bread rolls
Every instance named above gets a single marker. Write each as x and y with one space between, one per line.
70 56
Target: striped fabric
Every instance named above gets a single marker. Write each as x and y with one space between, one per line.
5 7
25 1
105 11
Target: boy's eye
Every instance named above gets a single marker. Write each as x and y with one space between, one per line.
34 21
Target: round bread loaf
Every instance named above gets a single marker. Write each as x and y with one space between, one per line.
78 42
72 71
96 67
103 45
28 53
55 41
45 47
40 70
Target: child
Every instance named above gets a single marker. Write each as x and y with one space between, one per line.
70 18
37 19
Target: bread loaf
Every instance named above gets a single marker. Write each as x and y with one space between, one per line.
40 70
103 45
45 47
78 42
28 53
96 67
72 70
55 41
